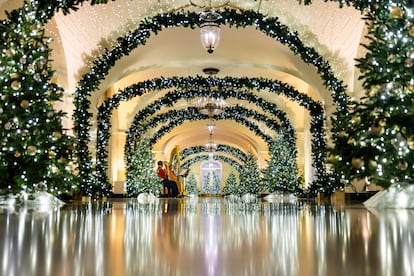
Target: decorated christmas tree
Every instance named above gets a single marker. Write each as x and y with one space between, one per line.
374 141
281 173
230 187
250 179
141 175
215 189
36 153
191 185
206 189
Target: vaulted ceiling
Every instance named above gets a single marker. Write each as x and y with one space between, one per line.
80 37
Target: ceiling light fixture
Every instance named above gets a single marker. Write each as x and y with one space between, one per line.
210 30
211 126
210 146
209 105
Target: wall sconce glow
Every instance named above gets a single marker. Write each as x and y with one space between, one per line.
210 30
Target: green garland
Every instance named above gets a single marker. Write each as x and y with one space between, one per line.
372 74
270 26
239 118
168 100
177 117
240 84
192 114
45 9
237 153
140 127
382 64
191 155
204 157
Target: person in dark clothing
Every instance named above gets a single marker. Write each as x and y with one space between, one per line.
170 185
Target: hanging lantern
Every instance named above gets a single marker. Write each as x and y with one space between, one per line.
210 30
211 147
209 105
211 126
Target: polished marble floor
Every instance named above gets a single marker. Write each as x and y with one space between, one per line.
206 236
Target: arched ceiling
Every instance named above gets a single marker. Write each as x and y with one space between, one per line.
80 37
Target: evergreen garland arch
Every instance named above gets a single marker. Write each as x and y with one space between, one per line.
377 11
238 118
235 160
269 26
91 80
45 9
191 112
179 117
203 157
232 87
103 133
237 153
252 126
140 124
235 117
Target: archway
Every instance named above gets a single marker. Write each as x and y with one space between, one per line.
244 83
92 80
361 6
210 177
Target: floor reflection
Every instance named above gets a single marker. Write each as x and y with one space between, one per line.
206 236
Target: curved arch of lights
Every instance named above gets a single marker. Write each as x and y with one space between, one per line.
237 153
233 163
43 10
270 26
237 88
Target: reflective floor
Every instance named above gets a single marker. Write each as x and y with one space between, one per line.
206 236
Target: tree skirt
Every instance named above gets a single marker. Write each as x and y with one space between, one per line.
396 196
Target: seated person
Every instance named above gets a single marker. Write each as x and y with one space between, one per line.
172 176
170 185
